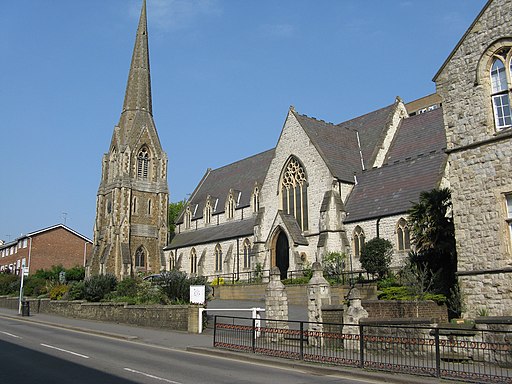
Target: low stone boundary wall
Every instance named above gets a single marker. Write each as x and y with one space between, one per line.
395 309
173 317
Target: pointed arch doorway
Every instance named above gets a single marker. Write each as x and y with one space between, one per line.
282 253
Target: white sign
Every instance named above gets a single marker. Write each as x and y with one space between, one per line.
197 294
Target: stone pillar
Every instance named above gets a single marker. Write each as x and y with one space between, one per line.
353 314
276 305
319 294
193 318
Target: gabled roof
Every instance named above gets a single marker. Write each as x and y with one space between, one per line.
339 144
213 233
240 176
38 232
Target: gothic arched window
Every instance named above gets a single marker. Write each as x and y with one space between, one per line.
143 163
247 253
501 85
256 200
140 258
208 212
403 235
359 240
294 192
188 217
218 258
193 261
230 206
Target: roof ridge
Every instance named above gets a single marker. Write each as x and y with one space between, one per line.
408 159
365 114
239 161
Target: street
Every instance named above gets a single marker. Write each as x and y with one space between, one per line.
32 352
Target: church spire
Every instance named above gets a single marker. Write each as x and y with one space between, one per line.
138 88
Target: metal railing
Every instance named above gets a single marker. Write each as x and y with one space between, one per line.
463 354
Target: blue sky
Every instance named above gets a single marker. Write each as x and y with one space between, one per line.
223 76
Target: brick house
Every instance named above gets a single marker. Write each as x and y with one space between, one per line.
42 249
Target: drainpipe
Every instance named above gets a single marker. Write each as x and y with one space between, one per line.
237 259
377 226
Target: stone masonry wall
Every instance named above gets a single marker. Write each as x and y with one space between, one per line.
480 167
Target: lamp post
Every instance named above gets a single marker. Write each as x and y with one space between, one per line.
23 275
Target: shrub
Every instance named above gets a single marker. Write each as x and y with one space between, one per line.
176 286
49 274
75 274
127 287
9 284
58 291
218 281
376 256
34 286
96 287
77 291
334 265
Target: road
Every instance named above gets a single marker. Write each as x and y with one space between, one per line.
32 352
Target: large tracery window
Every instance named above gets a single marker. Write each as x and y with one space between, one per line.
247 254
501 86
143 163
294 192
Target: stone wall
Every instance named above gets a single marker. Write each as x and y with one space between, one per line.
398 309
173 317
480 167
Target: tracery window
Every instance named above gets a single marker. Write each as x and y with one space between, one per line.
501 86
256 200
359 240
143 163
403 235
193 261
188 217
294 192
208 212
230 209
218 258
247 253
140 258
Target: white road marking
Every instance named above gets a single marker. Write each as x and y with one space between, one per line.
66 351
152 376
10 334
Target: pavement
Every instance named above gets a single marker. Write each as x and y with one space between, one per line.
203 343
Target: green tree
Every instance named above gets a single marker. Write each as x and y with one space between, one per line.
376 256
173 214
433 234
334 265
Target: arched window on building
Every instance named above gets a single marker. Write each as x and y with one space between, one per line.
403 235
230 206
294 192
359 240
140 258
501 85
207 212
188 217
143 163
218 258
247 254
193 261
172 261
256 200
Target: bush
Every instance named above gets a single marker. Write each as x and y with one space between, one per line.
404 293
76 291
34 286
376 256
334 265
176 286
127 287
49 274
98 286
75 274
9 284
58 291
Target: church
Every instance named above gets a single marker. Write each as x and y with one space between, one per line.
329 186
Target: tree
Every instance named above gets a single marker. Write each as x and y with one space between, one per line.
334 265
433 234
376 256
173 213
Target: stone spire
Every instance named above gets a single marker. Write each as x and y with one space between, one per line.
138 88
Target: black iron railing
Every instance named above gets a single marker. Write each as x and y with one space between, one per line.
468 354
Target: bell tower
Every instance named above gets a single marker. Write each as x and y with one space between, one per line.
130 230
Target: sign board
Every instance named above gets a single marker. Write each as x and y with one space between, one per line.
197 294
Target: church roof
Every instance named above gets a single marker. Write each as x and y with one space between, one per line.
339 144
414 163
214 233
241 177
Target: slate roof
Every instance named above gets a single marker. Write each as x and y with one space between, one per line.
415 163
214 233
240 176
338 144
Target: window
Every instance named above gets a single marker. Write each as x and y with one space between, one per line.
256 200
143 163
140 258
403 236
247 254
230 207
149 207
508 198
501 85
294 195
188 217
208 212
193 261
134 205
218 258
358 240
172 263
25 241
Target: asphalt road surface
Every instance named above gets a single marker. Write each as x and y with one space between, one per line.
37 353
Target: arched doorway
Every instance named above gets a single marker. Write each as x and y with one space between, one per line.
282 254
